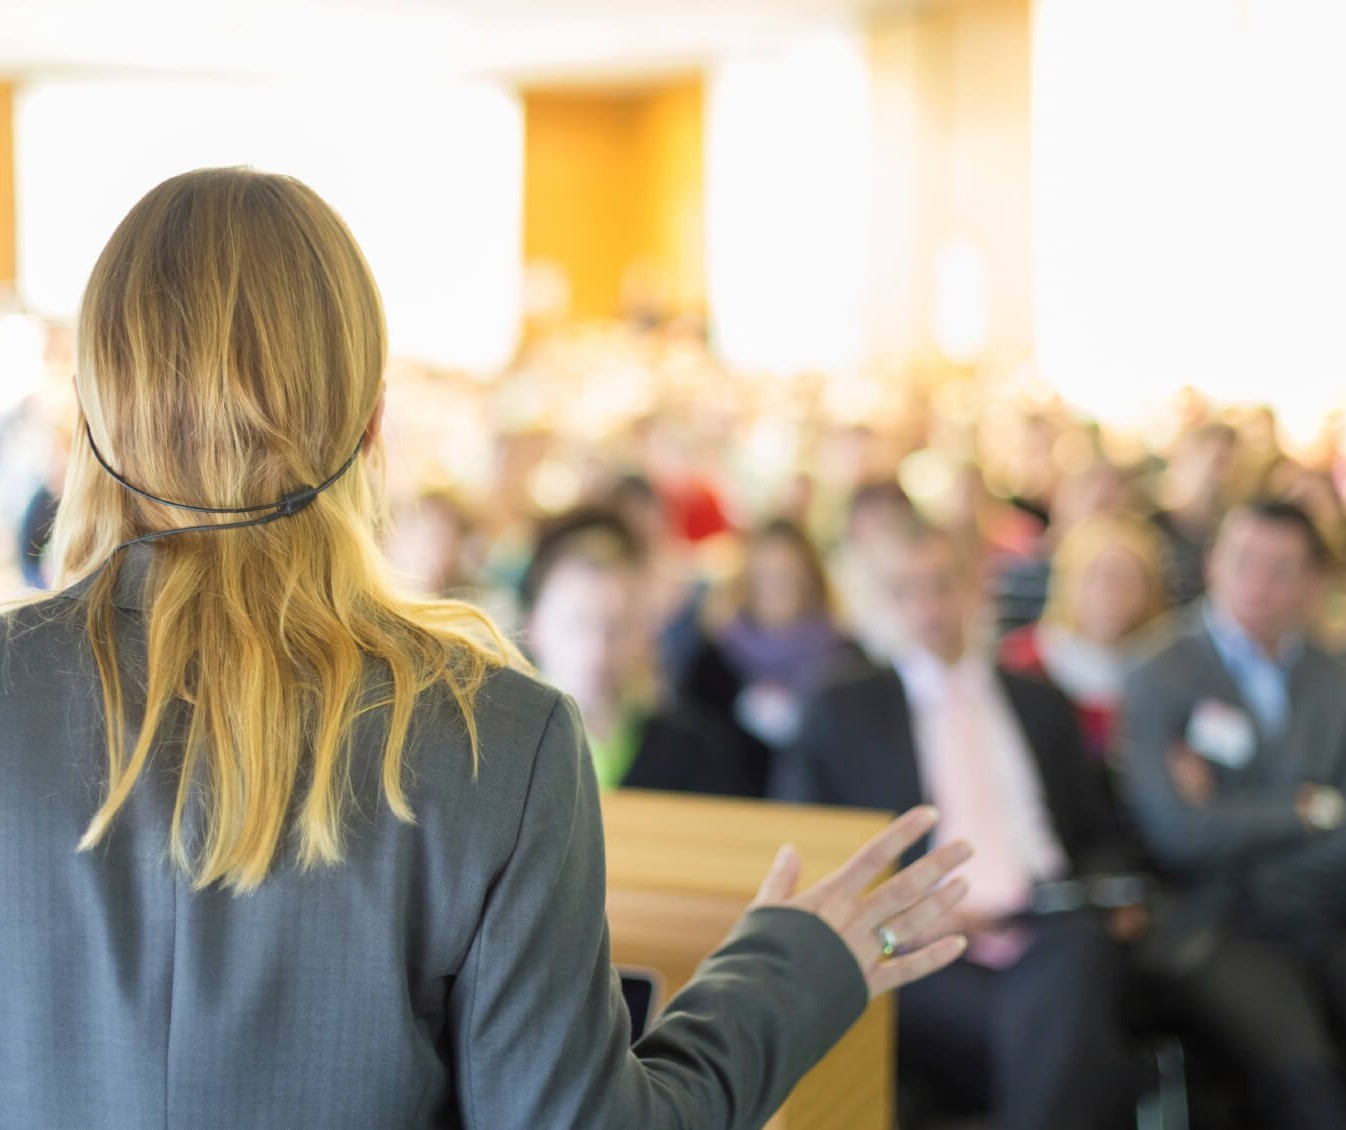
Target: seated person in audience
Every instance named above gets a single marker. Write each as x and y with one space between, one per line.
1192 496
1022 583
987 528
588 630
873 506
435 545
776 641
1107 586
1026 1023
1234 746
675 589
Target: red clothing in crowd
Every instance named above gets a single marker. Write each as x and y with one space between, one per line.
1021 651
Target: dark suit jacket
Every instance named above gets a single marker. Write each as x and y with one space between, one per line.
857 748
453 973
685 750
1247 843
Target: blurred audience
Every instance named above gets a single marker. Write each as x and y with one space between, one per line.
34 534
1107 586
773 642
705 658
873 506
1022 583
1192 498
1033 471
587 628
1027 1023
674 587
436 545
1235 757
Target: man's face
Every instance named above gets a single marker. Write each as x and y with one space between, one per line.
1262 574
925 594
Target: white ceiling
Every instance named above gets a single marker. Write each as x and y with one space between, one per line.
526 39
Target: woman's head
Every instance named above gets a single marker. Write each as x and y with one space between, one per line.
231 351
783 578
1107 579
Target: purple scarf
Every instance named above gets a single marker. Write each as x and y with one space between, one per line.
795 657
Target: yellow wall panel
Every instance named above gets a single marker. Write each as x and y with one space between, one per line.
613 182
672 228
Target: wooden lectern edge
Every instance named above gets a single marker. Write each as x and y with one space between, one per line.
681 869
735 849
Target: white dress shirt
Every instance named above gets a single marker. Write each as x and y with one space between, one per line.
977 769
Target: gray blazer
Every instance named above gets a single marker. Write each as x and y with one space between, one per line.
1248 841
454 973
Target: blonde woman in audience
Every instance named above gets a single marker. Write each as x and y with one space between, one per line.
1107 586
1021 585
282 848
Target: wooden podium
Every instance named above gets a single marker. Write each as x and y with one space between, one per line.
680 871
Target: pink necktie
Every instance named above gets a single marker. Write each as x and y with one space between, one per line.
967 789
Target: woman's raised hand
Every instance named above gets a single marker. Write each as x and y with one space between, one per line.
903 910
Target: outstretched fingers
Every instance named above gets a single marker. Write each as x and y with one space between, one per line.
912 884
876 858
926 920
909 967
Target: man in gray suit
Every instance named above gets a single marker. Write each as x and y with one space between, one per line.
1235 753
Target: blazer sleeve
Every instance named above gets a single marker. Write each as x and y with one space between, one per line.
1228 830
539 1033
1302 888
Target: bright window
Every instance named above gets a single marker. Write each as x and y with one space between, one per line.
1189 186
787 139
428 177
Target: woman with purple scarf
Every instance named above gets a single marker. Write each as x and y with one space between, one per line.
776 641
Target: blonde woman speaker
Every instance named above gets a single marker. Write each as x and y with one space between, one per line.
282 848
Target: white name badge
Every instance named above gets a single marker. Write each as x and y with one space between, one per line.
1222 734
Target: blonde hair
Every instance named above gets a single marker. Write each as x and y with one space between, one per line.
1086 543
231 349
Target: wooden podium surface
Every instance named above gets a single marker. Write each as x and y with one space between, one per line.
680 871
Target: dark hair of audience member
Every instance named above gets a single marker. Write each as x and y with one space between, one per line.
917 531
1287 515
878 495
593 533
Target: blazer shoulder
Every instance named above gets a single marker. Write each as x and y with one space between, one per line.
60 612
1174 658
40 638
514 708
1037 701
511 691
1325 674
1030 686
511 714
857 678
1323 661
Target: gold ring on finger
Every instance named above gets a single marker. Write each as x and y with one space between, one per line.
888 943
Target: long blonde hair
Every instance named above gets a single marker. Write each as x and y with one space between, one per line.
231 349
1086 542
